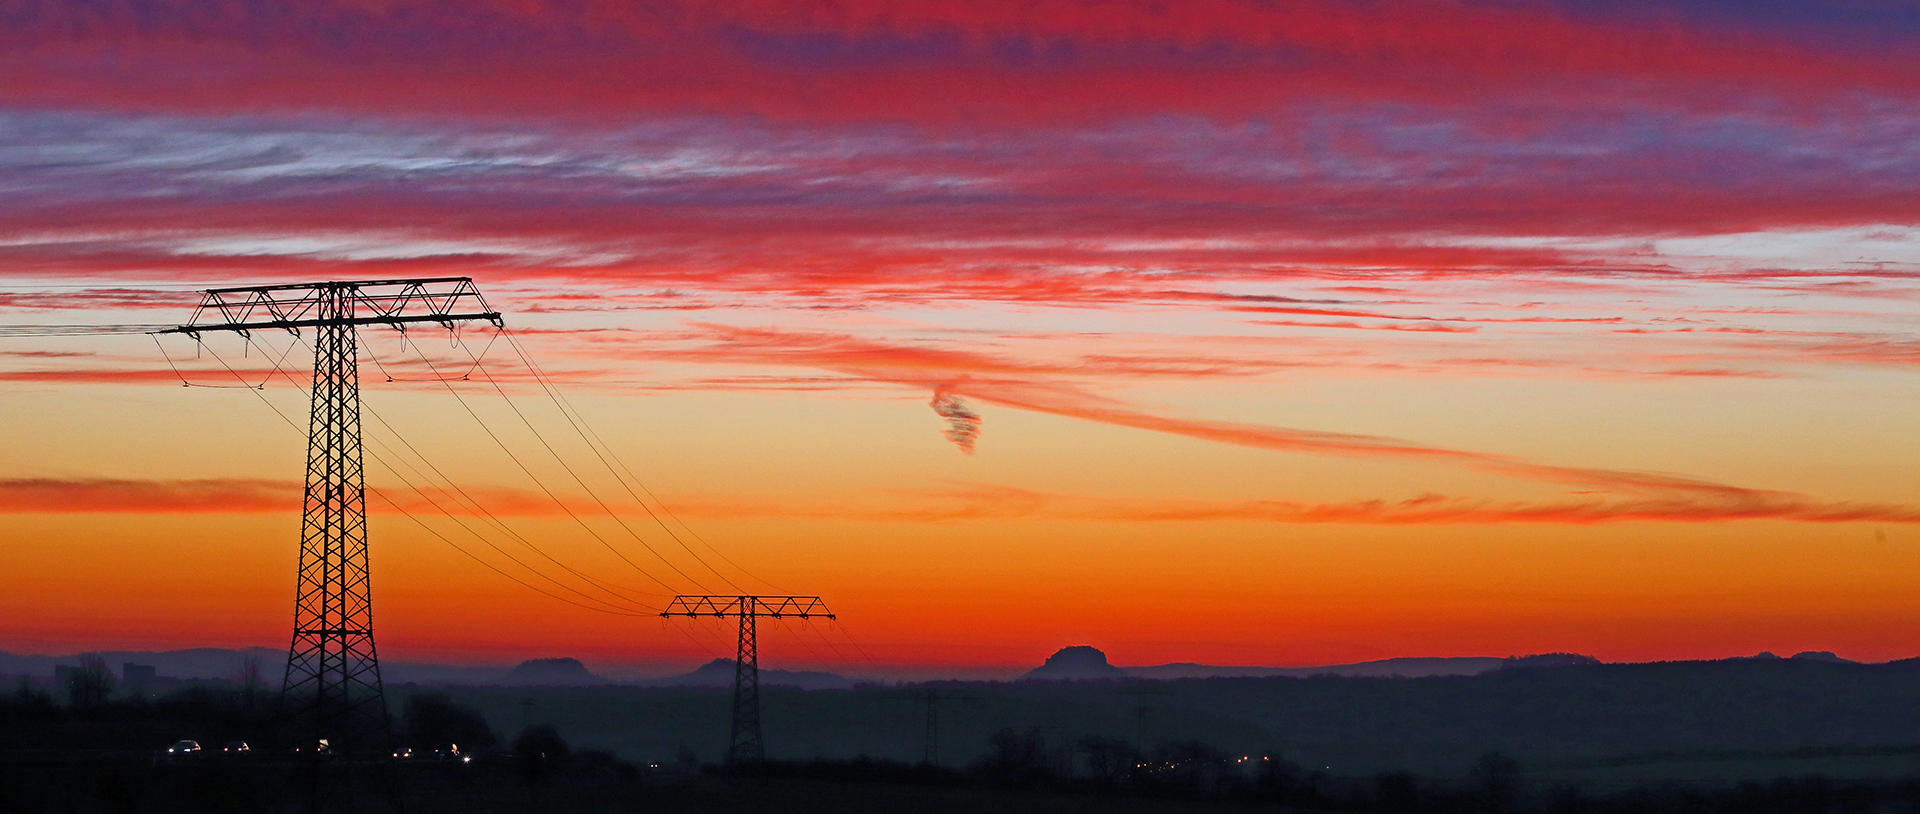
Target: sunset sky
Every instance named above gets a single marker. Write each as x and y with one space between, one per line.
1279 332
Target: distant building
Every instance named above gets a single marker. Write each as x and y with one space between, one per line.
136 677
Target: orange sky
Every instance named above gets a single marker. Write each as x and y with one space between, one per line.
1155 547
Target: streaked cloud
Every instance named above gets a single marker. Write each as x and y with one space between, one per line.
983 502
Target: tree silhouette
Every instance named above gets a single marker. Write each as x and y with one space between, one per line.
89 684
540 753
1496 778
432 720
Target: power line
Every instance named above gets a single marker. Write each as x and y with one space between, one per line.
464 500
576 425
490 544
595 444
482 510
29 331
566 405
610 608
817 658
462 377
836 651
570 471
470 555
848 635
168 288
586 433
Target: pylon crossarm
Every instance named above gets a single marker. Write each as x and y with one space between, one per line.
443 300
744 746
693 605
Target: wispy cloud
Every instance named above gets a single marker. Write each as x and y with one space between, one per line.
983 502
959 503
111 495
1039 388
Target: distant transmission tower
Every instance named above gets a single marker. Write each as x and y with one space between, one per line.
931 697
744 746
333 670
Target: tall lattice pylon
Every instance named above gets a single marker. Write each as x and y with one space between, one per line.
744 746
332 680
743 742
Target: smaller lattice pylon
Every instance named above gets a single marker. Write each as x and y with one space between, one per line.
744 746
931 696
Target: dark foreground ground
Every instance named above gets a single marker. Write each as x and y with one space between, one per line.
1684 737
81 784
129 787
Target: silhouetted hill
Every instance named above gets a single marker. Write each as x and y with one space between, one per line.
1547 660
1438 724
1075 663
559 672
1579 714
719 673
199 662
1383 668
1822 655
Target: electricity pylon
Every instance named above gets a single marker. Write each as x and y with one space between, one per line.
932 696
333 670
743 745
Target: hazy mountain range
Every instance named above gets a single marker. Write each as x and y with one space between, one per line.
1079 662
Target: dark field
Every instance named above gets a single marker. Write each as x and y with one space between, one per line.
1729 736
127 784
1713 712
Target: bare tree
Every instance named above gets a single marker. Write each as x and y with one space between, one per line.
89 684
249 679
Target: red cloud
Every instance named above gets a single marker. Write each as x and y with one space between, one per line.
973 502
120 376
1021 385
251 496
926 60
988 502
208 495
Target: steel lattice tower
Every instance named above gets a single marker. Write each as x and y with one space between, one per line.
743 743
744 746
332 663
333 668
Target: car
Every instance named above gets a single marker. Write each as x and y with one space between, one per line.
403 753
236 746
323 747
183 747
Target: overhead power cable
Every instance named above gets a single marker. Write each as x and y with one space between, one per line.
817 658
596 498
617 519
602 607
580 429
595 443
586 429
460 378
480 509
28 331
543 487
603 586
